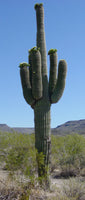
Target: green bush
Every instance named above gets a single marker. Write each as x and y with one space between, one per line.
19 154
4 145
69 153
56 145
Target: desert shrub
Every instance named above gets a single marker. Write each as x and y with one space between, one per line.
69 153
56 145
20 157
4 145
72 154
75 190
21 154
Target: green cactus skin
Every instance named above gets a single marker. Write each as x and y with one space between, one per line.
36 73
38 91
53 71
27 92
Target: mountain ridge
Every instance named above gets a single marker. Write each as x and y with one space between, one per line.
69 127
75 126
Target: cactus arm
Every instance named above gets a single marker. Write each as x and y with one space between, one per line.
53 70
60 84
42 45
25 81
30 68
36 73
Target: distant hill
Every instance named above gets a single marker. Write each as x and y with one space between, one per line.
24 130
6 128
77 126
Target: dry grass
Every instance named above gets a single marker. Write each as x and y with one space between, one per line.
61 189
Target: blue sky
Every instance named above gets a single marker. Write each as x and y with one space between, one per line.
65 31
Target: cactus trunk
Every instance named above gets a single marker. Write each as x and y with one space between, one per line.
42 129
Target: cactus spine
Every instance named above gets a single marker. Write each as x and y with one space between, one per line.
40 93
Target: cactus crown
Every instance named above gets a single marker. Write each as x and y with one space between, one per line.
51 51
34 49
21 65
38 5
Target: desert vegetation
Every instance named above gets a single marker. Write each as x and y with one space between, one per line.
18 160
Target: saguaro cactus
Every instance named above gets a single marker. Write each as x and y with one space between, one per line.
38 92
